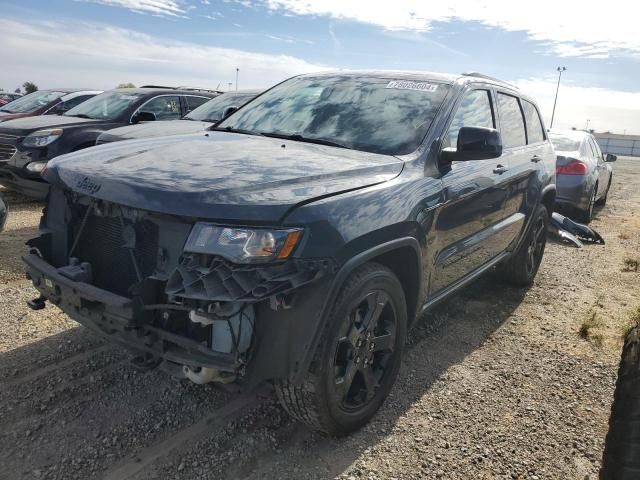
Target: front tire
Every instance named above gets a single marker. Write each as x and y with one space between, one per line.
603 200
521 268
358 358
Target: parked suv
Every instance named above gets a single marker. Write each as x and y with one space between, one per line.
300 239
27 144
197 120
45 102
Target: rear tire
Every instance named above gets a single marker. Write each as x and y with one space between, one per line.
585 216
358 357
621 458
521 268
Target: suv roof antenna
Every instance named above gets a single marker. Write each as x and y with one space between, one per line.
488 77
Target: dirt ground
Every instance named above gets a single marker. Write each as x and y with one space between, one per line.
497 383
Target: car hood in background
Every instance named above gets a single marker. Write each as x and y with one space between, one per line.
153 129
24 126
218 175
5 116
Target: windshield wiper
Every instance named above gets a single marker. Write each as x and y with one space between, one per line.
81 115
6 111
237 130
296 137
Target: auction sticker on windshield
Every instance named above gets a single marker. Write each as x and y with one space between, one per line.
408 85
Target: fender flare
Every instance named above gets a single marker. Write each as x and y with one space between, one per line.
338 282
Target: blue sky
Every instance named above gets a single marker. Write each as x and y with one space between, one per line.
99 43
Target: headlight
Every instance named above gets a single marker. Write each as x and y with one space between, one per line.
36 167
42 138
243 245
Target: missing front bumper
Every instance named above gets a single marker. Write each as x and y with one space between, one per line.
120 319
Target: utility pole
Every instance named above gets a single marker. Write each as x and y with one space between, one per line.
237 71
560 70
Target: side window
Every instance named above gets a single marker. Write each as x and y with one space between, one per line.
588 150
535 133
69 104
474 111
166 107
511 121
195 102
596 150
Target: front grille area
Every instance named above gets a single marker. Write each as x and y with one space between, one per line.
6 151
107 246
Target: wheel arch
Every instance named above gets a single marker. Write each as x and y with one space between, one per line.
402 256
548 198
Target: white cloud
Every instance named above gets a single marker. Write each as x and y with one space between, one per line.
98 56
155 7
568 26
606 109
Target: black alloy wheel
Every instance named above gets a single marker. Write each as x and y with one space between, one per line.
363 351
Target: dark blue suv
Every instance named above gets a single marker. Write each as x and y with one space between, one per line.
298 240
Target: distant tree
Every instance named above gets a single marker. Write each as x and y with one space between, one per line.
29 87
17 90
126 85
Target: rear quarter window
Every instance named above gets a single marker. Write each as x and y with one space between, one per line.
535 133
511 121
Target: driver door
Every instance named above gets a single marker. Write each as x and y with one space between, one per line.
475 193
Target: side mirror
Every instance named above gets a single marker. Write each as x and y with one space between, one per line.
143 117
475 143
611 157
228 111
4 210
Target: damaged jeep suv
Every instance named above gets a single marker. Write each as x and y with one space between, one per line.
299 239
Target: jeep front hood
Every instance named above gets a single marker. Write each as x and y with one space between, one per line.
218 175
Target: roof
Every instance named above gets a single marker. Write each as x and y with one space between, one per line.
416 76
253 91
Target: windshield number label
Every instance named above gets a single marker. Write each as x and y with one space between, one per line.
407 85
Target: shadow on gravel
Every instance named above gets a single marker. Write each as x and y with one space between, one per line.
82 396
439 340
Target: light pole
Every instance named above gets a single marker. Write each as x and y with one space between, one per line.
560 70
588 124
237 71
230 83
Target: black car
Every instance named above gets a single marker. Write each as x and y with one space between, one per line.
298 240
195 121
26 145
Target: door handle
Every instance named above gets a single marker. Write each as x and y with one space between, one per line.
500 169
536 159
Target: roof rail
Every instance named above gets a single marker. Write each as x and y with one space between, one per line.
157 86
487 77
197 89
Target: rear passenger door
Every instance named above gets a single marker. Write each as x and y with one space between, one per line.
524 148
469 228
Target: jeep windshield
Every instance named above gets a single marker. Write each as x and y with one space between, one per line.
106 106
378 115
32 102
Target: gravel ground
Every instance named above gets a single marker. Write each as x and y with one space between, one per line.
497 383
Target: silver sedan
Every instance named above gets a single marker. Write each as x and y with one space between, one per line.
583 173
